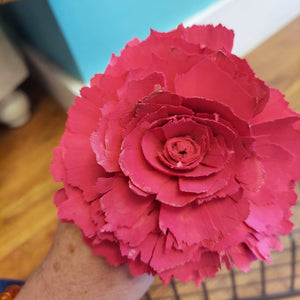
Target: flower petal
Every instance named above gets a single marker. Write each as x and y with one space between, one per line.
203 224
110 251
122 207
170 194
145 249
242 256
163 259
80 162
137 233
202 80
277 108
207 266
73 208
281 132
217 110
215 38
205 185
250 173
57 167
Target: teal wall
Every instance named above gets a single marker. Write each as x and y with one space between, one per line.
35 22
81 35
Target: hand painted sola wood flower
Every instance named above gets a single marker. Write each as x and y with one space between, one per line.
178 159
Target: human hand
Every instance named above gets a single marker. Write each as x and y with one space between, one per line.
70 271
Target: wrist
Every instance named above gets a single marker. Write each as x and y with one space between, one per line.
70 271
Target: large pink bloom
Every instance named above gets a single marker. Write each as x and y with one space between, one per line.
178 158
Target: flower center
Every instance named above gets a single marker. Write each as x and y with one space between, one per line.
181 148
181 153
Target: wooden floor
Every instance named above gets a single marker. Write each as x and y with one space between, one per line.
27 214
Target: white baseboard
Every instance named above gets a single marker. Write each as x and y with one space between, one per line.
253 21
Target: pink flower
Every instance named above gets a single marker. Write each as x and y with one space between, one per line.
178 158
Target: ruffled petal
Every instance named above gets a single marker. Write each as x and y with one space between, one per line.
57 167
136 234
124 208
205 185
242 256
144 250
107 139
73 208
280 132
277 107
250 173
215 38
82 169
163 259
261 245
206 223
110 251
202 80
169 193
207 266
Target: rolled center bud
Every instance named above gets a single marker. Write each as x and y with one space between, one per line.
181 153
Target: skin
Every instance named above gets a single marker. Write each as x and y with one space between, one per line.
70 271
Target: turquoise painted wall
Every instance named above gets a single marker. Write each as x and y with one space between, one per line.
81 35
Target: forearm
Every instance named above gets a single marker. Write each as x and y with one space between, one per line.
70 271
